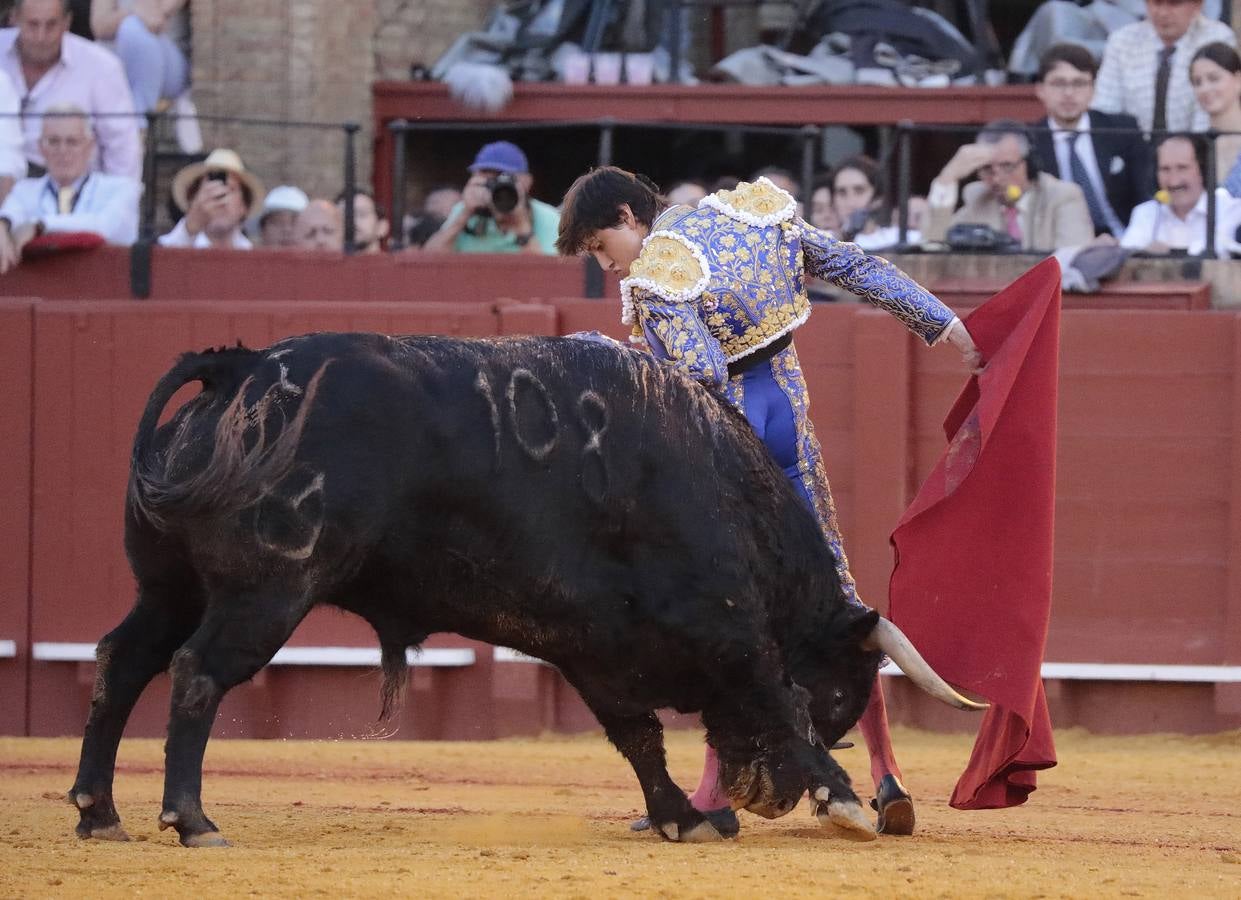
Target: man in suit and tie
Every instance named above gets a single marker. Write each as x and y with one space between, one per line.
1103 153
70 197
1012 195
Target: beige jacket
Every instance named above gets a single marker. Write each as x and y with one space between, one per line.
1054 216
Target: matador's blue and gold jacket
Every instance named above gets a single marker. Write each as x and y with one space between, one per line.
717 283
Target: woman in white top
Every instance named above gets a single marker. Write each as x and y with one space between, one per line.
1215 73
857 197
149 36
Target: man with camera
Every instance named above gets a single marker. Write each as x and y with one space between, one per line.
496 213
217 195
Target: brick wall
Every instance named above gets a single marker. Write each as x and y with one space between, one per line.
310 60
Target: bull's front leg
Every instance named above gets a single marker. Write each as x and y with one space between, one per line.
770 757
640 739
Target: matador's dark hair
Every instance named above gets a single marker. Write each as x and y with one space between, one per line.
593 203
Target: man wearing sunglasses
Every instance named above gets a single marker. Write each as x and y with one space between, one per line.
1012 195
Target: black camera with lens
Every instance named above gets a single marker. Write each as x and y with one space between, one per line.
504 195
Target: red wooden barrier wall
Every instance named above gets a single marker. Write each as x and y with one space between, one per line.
1148 522
283 275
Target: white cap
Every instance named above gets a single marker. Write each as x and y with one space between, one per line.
284 198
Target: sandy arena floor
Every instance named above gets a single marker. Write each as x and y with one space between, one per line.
1139 817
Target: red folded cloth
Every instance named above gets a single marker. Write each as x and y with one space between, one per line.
972 583
53 242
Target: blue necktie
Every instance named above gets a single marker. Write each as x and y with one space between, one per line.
1077 169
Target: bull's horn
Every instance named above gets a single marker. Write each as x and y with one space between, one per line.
892 641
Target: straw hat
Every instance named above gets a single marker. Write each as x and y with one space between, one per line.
219 160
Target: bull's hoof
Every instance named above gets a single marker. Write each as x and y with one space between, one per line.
895 807
106 833
203 835
847 815
702 833
98 821
723 822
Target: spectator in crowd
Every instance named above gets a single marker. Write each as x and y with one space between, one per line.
278 218
12 159
686 193
370 222
48 66
421 227
70 197
1013 195
320 227
1145 70
217 195
496 213
1112 168
1176 220
1215 73
780 177
858 199
440 201
144 34
822 210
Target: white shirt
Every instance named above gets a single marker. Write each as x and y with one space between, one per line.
1153 222
12 159
106 205
1084 147
87 76
180 237
1126 82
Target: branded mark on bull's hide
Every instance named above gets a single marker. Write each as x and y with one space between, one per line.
524 378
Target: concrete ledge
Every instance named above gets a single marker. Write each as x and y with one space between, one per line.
434 657
1126 672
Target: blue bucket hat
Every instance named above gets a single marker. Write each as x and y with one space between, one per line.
501 156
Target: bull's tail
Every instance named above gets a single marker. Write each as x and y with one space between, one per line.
245 460
395 676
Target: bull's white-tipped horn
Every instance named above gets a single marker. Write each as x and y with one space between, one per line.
892 641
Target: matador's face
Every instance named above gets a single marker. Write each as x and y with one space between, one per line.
616 248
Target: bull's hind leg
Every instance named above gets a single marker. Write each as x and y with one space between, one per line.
236 639
127 659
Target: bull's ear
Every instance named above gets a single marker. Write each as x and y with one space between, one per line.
861 625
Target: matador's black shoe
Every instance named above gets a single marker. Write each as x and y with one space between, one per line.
895 807
724 820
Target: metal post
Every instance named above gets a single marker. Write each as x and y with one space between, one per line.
674 36
146 230
904 135
140 252
351 186
607 132
1211 210
398 129
810 136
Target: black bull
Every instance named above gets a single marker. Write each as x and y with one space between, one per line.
578 502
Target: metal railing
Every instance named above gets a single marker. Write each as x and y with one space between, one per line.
157 124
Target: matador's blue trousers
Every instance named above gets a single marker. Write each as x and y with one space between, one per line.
773 396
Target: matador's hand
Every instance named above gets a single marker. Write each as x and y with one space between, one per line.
959 337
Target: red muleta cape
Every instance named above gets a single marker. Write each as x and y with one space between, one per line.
972 583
